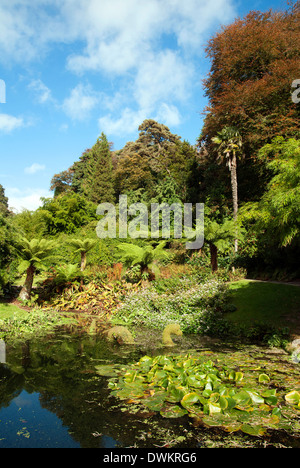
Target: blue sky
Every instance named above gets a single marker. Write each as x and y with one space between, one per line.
75 68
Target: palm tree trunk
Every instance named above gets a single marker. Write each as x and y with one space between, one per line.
83 261
213 257
27 288
234 188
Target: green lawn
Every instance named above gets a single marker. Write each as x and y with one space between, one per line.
265 302
9 310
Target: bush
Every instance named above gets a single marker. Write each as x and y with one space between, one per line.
192 307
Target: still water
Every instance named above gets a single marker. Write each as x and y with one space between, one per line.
53 394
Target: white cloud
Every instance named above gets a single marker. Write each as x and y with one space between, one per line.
29 199
154 46
34 168
81 101
168 115
42 92
127 123
8 123
162 76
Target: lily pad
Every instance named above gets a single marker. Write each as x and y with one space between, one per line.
175 411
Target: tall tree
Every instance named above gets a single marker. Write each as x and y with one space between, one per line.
3 201
229 143
156 155
102 186
62 182
254 62
277 214
81 173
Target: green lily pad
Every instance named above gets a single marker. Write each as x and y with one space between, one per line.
293 398
257 431
173 412
189 399
264 378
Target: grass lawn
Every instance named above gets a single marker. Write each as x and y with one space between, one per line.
278 304
9 310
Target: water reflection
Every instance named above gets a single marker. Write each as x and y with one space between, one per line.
2 352
52 396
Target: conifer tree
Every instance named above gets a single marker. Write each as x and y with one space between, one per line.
3 201
102 186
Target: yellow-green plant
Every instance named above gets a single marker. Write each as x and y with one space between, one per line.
171 329
120 334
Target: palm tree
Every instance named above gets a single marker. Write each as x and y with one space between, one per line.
147 257
219 237
229 142
33 255
83 246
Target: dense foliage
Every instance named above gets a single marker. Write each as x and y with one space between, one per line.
251 127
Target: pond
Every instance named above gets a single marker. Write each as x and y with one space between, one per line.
53 394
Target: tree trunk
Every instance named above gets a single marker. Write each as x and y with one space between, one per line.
26 290
83 261
213 257
234 188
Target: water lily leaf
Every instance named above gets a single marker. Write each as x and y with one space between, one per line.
263 378
189 399
155 403
293 398
207 392
211 421
159 375
193 381
253 430
233 427
272 400
231 403
269 393
255 397
214 397
106 370
173 411
213 408
208 386
242 398
223 402
174 394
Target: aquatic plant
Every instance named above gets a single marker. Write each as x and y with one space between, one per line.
213 394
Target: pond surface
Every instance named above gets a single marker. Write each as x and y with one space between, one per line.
53 396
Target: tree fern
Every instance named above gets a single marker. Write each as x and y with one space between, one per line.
147 257
82 246
33 254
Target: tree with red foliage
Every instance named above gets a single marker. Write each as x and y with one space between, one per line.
254 62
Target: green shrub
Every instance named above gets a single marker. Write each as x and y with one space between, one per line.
192 307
